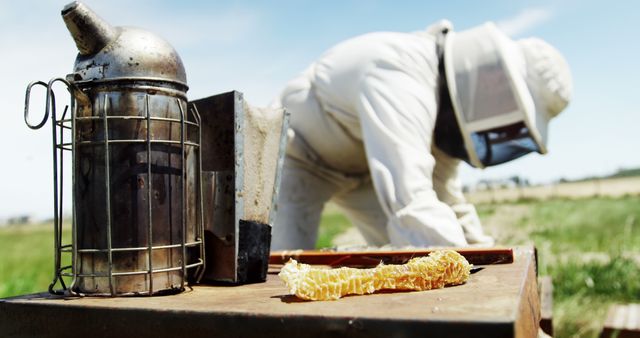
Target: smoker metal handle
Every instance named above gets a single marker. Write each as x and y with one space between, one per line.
26 105
50 104
58 151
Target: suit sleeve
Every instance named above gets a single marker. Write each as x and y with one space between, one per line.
397 110
449 190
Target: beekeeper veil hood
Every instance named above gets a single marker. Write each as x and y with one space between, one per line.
503 92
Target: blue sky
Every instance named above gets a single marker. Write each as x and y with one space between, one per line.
256 46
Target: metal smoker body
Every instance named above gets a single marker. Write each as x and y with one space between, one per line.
138 222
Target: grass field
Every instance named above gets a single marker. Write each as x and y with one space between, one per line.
590 247
26 258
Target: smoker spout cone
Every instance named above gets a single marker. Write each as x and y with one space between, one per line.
90 32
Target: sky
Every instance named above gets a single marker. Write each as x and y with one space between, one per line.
256 46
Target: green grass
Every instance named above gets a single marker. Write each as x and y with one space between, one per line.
332 224
26 253
594 224
26 258
591 249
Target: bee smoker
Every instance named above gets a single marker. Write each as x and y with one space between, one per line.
137 224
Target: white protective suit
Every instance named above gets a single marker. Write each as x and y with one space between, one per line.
362 118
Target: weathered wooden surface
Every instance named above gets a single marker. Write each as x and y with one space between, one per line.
477 256
498 301
623 321
545 285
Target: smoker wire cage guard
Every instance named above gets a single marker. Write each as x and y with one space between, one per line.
137 220
148 194
101 264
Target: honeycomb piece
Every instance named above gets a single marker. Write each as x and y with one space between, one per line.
439 269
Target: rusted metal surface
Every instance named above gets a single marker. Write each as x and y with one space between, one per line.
89 38
108 53
221 155
135 196
220 230
242 152
499 301
137 222
136 165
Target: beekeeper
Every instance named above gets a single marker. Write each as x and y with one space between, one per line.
380 123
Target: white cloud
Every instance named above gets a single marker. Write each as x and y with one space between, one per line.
524 21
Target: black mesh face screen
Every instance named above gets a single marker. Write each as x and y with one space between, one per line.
495 146
503 144
447 135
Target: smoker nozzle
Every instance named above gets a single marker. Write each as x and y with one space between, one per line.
90 32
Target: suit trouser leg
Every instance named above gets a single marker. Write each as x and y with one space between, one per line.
363 209
303 194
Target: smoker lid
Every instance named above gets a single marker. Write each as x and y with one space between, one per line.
133 54
119 53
